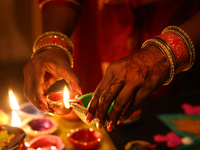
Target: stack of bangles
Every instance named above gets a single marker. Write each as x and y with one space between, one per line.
177 47
54 40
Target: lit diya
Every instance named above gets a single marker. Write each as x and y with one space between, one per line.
62 104
59 102
11 138
37 126
84 138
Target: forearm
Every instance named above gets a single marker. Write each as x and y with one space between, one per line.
192 28
60 15
61 19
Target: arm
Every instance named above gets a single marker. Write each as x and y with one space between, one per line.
60 18
47 66
131 80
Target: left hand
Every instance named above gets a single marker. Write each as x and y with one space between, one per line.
129 82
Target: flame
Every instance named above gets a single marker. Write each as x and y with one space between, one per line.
66 97
16 122
14 106
13 101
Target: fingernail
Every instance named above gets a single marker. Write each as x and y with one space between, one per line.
44 107
99 125
120 121
109 128
89 117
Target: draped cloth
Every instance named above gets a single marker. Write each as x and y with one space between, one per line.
112 29
104 35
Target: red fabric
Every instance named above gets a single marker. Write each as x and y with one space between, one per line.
118 30
55 41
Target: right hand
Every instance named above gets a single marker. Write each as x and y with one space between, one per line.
42 71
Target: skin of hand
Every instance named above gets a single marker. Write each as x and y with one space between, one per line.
42 71
129 82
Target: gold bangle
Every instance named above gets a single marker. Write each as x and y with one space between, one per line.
37 48
187 40
167 54
53 34
170 50
49 46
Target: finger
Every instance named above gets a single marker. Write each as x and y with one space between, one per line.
122 100
143 93
107 97
65 72
28 93
92 106
37 86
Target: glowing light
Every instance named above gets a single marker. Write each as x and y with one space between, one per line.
16 122
27 144
66 97
53 148
13 101
14 106
47 148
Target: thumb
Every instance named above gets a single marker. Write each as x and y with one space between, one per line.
74 81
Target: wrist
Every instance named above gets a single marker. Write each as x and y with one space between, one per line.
177 47
54 40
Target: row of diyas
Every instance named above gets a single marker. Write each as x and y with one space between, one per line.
40 127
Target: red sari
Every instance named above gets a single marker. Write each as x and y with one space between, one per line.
104 35
107 32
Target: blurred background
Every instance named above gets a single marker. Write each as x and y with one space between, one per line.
20 24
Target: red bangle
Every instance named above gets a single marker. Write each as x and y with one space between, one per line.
55 41
74 4
179 48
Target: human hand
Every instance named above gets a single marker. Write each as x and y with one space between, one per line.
42 71
129 81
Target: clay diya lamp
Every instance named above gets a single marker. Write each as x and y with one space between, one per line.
14 135
84 138
27 109
38 126
47 142
56 103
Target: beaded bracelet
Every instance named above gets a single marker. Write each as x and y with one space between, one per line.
56 40
186 39
168 54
